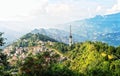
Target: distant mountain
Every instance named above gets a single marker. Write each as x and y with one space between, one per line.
94 28
59 35
106 23
99 28
110 38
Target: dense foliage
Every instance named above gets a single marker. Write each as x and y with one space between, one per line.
95 59
81 59
3 59
43 65
1 39
61 47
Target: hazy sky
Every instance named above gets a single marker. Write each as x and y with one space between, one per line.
22 15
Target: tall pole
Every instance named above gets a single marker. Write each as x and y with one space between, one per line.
70 37
70 31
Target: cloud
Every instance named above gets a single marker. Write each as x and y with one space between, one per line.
28 14
19 9
25 15
99 8
115 8
58 9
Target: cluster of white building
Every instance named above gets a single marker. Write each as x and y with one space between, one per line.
23 52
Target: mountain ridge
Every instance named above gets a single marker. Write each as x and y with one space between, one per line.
90 29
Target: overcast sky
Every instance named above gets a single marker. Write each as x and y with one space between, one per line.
22 15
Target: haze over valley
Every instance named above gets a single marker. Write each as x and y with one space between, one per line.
99 28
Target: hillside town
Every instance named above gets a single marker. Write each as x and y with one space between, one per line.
20 53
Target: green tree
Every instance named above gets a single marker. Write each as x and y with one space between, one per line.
111 50
118 52
1 39
3 59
